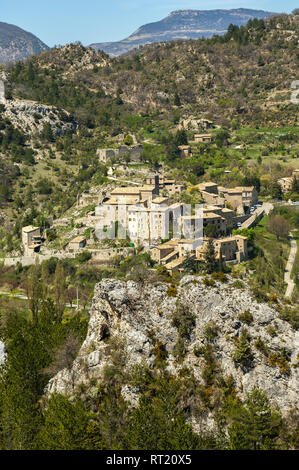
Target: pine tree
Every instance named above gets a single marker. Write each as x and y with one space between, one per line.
34 290
59 288
177 100
256 425
210 258
65 425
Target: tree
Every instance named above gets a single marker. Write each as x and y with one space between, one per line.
275 190
210 230
65 425
295 185
256 425
158 424
128 140
221 138
242 354
189 264
181 137
295 11
177 100
30 347
279 226
210 258
59 288
34 290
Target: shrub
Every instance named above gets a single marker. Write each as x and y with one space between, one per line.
242 354
160 353
281 360
172 291
184 321
219 276
210 331
246 317
209 282
261 346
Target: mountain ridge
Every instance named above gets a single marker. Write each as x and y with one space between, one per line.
18 44
182 24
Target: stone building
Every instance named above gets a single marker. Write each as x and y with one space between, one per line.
287 183
31 240
203 138
185 151
170 186
77 243
106 155
132 154
231 249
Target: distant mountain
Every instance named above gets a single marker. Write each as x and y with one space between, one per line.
17 44
183 24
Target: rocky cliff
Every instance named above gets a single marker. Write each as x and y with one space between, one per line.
138 318
17 44
2 353
182 24
30 117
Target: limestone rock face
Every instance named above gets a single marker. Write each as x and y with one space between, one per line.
128 314
30 117
2 353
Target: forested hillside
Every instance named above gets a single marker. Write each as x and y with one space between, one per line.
232 78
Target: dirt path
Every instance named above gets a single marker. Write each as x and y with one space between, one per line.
289 267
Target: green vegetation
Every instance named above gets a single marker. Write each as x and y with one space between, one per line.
106 102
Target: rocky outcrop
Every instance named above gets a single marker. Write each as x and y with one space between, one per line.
129 315
2 353
30 117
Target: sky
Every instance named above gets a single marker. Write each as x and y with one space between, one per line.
58 22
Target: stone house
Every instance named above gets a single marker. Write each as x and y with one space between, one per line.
151 222
175 248
231 249
185 151
170 186
241 197
208 187
31 240
203 138
115 208
132 154
287 183
77 243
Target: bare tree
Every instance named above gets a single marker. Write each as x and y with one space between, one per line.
64 356
279 226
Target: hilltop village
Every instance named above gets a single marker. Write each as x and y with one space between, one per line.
150 215
172 220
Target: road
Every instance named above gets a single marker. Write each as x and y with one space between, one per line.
123 181
288 270
260 211
24 297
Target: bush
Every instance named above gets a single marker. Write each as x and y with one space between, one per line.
84 257
246 317
172 291
242 354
